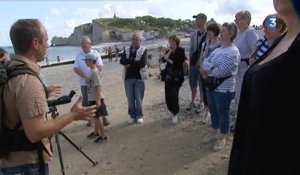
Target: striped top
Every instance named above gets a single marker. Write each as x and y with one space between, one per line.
246 42
262 47
223 62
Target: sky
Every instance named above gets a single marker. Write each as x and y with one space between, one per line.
61 16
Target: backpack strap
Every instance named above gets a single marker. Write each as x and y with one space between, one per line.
20 136
201 42
24 69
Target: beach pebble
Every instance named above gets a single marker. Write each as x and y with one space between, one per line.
224 156
68 166
186 167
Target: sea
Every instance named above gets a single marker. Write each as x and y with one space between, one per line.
65 53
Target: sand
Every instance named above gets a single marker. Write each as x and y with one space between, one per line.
155 147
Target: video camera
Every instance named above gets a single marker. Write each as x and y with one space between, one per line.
61 100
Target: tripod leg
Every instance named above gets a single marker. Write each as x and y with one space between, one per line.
72 143
59 154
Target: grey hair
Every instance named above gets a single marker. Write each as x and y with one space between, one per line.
85 38
232 29
137 35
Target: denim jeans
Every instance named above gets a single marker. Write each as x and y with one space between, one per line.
29 169
84 94
219 106
135 93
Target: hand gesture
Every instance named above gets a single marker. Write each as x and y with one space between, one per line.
251 60
54 90
98 104
82 113
203 73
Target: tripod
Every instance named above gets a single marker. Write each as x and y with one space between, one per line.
54 114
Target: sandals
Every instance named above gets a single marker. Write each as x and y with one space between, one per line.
100 139
92 134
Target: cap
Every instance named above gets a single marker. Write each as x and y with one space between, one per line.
200 15
90 56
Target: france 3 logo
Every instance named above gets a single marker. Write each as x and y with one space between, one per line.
271 22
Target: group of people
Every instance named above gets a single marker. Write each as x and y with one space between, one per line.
87 66
260 75
109 53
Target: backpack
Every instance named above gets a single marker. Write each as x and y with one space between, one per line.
6 74
14 139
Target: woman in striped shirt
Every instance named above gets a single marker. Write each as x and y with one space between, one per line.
213 42
223 62
271 34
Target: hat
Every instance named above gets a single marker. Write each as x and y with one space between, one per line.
90 56
200 15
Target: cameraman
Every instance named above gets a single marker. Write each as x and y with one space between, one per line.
25 99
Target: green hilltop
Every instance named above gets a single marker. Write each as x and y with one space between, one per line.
163 25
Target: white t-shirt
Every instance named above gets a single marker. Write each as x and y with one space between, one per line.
80 63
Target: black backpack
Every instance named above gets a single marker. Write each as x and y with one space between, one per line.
14 139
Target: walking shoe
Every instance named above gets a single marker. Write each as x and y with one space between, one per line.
206 118
175 119
100 139
92 134
232 128
219 145
131 121
140 120
190 106
199 109
209 139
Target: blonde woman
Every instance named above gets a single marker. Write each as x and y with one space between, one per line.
245 41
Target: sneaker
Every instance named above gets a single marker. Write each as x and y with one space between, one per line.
199 108
92 134
219 145
191 106
206 118
209 139
140 120
175 119
131 121
100 139
232 128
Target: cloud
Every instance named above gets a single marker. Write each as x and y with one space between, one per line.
70 24
93 12
47 23
2 36
57 11
228 9
233 6
131 9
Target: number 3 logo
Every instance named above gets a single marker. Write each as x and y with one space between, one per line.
271 22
